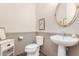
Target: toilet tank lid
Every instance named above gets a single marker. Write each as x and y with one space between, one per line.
32 46
39 37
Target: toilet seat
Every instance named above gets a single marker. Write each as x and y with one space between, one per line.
31 47
34 48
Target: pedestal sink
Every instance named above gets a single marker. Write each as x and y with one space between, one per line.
62 42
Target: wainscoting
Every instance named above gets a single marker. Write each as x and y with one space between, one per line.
29 37
74 50
49 48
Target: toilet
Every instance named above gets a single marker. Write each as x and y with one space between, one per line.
33 49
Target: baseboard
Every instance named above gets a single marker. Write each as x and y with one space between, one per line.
25 54
22 54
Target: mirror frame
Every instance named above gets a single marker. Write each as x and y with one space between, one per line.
73 20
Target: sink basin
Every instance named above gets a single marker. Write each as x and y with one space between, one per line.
63 41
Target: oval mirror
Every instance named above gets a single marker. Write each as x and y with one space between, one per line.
66 14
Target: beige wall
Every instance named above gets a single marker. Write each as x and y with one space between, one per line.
47 11
23 18
18 17
19 20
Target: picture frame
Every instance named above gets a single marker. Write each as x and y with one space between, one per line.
42 24
2 33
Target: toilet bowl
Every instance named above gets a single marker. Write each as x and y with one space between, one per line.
33 49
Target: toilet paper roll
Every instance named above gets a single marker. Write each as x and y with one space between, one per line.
20 37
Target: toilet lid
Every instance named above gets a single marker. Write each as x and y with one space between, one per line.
32 46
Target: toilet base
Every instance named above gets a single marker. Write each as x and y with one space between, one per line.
36 53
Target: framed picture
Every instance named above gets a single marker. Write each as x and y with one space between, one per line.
2 33
42 24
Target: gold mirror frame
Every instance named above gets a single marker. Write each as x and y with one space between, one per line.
73 20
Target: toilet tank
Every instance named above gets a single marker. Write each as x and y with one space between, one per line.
39 40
